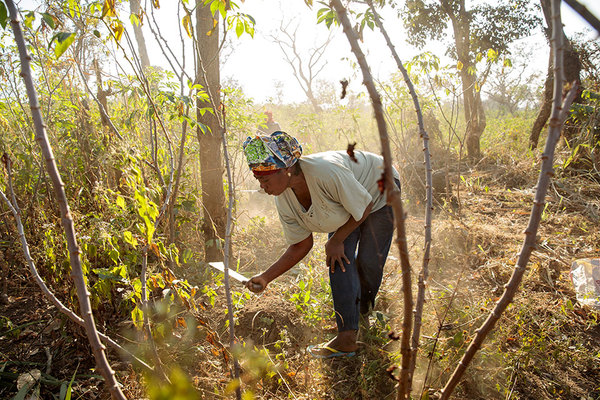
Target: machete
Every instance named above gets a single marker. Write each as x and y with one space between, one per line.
232 274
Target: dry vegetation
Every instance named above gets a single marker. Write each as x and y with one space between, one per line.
546 346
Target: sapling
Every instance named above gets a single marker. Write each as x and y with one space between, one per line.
67 221
418 316
560 110
392 193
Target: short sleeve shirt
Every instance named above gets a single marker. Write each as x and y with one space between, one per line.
339 188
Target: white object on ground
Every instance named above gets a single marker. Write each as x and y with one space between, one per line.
585 274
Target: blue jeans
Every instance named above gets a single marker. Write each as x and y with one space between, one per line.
367 248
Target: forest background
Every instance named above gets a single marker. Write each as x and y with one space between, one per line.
137 116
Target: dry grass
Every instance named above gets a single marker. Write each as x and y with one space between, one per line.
546 346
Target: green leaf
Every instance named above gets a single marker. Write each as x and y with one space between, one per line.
114 255
63 41
134 19
137 288
149 229
63 390
239 28
121 202
68 392
128 237
29 18
187 24
249 27
96 33
74 8
49 20
23 392
3 15
137 317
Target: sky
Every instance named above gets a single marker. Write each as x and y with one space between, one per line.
258 65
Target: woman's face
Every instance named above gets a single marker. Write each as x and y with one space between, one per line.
274 184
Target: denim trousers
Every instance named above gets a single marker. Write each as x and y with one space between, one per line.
366 248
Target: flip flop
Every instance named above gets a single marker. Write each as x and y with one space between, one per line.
332 352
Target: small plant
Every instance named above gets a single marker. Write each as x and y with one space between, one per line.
313 298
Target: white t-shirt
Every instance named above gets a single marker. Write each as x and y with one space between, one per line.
339 188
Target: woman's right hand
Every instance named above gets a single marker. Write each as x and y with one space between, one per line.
257 284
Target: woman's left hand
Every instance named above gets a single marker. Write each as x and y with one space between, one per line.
334 252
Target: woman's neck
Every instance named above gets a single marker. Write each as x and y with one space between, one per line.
298 183
300 189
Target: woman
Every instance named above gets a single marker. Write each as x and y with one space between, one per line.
334 193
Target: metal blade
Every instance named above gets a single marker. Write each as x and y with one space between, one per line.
235 275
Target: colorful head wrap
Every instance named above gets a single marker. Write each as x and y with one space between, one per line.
270 153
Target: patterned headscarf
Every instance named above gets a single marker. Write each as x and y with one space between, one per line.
266 154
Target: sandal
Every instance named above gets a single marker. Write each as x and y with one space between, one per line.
332 352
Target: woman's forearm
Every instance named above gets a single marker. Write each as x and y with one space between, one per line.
291 257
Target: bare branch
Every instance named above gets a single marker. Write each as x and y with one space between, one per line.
418 316
585 14
100 106
227 258
13 206
67 221
305 72
393 196
559 113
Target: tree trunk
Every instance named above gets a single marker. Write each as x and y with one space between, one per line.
545 108
211 162
572 70
102 94
473 107
474 116
134 8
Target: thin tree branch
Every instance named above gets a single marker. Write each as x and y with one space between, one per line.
14 208
559 113
424 273
585 14
227 255
100 106
67 221
393 196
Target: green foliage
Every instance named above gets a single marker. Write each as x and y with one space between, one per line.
313 297
243 23
3 15
489 26
507 134
327 15
63 41
8 328
66 389
586 115
180 387
365 19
